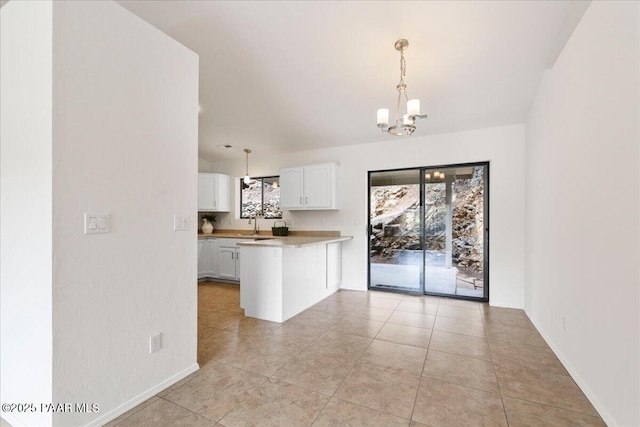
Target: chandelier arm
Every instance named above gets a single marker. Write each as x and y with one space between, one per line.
398 106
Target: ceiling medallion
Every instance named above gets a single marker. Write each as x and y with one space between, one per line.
404 124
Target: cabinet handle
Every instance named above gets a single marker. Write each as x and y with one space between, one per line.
301 200
237 255
232 255
306 200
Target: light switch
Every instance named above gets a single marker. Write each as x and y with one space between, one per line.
95 223
180 223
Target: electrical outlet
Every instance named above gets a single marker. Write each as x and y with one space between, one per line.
564 323
155 343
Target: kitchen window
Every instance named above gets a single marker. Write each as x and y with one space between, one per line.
261 195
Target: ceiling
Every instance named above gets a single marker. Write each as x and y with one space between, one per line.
279 76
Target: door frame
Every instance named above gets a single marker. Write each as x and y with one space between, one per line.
486 219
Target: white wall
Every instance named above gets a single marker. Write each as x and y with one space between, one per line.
25 207
99 114
582 223
125 142
502 146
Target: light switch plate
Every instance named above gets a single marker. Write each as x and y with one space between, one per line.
180 223
96 223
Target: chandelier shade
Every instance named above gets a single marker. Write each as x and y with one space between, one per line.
404 124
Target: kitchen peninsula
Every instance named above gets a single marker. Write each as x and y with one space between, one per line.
283 276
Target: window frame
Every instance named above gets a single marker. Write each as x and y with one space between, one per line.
261 179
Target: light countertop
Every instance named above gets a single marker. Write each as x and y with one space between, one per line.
294 241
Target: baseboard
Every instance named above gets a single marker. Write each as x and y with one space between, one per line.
116 412
608 419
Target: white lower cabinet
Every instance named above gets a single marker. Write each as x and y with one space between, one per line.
229 263
219 258
207 263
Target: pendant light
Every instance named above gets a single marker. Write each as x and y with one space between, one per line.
247 178
405 124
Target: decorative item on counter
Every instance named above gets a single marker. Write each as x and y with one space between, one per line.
207 223
281 230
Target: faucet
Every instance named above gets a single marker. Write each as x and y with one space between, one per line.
255 217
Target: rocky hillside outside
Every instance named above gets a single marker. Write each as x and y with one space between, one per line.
396 221
252 199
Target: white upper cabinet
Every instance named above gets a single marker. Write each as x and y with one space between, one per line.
214 192
291 188
313 187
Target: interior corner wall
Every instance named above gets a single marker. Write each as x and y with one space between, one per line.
25 208
125 128
502 146
583 211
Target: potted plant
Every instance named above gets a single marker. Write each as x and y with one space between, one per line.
207 223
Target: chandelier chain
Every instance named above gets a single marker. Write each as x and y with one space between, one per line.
403 67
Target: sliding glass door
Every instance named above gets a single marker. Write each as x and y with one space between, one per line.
428 230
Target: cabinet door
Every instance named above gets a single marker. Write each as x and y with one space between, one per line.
291 187
318 185
210 253
202 259
207 192
227 263
223 193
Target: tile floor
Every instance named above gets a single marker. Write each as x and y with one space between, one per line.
368 358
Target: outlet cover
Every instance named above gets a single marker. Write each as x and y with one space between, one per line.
155 343
95 223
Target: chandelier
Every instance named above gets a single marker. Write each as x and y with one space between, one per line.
405 124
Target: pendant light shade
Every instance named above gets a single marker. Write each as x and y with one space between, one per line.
247 178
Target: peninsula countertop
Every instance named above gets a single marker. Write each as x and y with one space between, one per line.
294 241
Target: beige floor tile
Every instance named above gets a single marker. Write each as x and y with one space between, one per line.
385 389
380 301
462 303
418 306
408 335
217 390
441 404
316 371
459 326
278 404
463 345
460 312
219 344
465 371
512 355
357 326
350 347
317 319
124 416
264 358
162 413
506 316
392 355
543 387
412 319
528 336
371 313
253 327
294 335
351 297
341 413
179 384
528 414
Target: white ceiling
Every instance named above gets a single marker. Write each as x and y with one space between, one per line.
279 76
